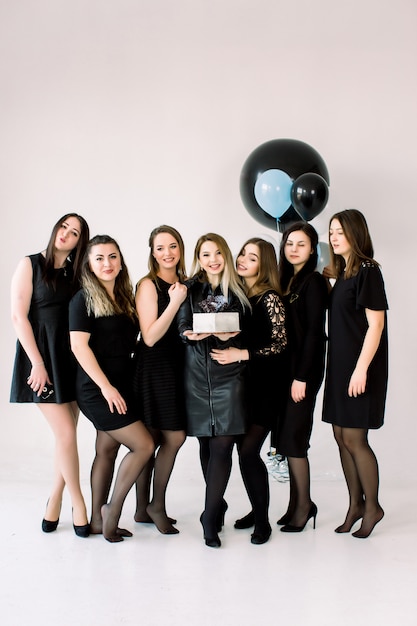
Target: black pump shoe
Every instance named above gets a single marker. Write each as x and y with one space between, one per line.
49 527
220 518
211 542
261 534
245 522
82 531
289 528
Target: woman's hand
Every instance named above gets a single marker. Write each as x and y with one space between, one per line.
114 399
224 357
357 383
195 336
327 272
226 336
38 378
298 390
177 293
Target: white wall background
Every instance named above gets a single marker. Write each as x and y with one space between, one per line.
141 112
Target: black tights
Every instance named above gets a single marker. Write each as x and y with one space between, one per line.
254 472
360 468
140 448
216 463
101 477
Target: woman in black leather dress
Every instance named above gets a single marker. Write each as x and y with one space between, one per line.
216 408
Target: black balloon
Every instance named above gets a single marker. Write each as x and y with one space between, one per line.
309 195
289 155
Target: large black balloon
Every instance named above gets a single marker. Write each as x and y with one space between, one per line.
289 155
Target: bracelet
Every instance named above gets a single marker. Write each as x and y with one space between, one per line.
35 364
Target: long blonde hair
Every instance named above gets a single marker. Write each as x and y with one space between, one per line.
229 279
98 301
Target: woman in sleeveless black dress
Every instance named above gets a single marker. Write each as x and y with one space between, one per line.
305 296
103 331
357 366
159 375
44 369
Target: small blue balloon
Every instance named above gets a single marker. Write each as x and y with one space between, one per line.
273 192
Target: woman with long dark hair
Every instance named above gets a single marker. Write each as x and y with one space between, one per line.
266 353
357 367
305 295
44 369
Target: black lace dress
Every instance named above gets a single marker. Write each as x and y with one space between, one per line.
48 315
268 362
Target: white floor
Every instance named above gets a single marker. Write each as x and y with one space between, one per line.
315 578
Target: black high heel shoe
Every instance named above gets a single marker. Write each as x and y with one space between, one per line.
261 534
289 528
211 542
82 531
220 517
48 526
285 519
245 522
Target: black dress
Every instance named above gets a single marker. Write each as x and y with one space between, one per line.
113 341
268 363
347 329
215 397
159 374
306 309
48 315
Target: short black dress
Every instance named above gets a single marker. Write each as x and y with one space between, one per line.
158 380
113 341
48 315
306 312
268 360
347 329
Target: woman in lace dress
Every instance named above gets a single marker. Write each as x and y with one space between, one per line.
266 354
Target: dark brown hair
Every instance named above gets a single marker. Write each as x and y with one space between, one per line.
285 269
76 255
356 231
268 267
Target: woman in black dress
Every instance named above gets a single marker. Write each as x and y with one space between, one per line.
305 296
357 368
44 369
216 409
159 376
266 354
103 333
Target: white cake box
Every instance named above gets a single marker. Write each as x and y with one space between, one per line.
215 322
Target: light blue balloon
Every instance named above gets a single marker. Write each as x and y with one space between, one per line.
273 192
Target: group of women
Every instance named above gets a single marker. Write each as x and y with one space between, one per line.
78 320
